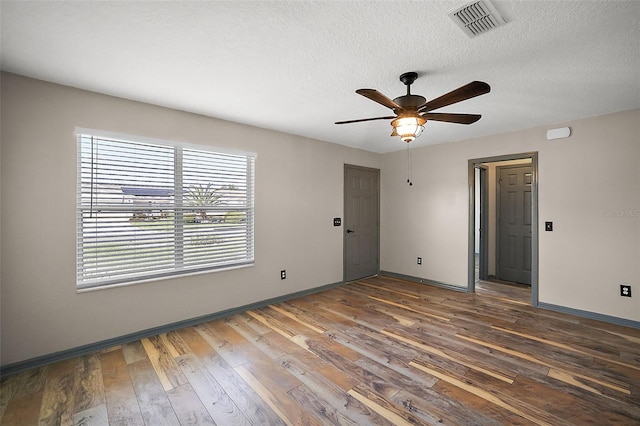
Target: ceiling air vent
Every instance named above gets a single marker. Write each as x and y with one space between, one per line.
477 18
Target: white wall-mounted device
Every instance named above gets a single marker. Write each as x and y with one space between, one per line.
559 133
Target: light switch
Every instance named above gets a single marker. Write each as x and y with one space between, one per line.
548 226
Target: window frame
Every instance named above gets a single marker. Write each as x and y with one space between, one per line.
84 282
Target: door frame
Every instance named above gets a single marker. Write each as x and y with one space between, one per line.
344 222
483 256
472 164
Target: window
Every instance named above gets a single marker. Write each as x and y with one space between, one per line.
150 209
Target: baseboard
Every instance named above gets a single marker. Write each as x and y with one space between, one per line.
590 315
425 281
108 343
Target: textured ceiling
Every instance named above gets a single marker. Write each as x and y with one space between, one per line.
293 66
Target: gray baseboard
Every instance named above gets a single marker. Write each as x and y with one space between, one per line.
590 315
425 281
17 367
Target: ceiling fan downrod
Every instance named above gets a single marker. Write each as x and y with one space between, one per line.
408 78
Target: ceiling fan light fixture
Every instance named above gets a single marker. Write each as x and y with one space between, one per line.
408 128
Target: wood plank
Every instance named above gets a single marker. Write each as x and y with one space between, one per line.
309 340
23 410
274 345
430 410
562 345
174 344
214 398
493 414
58 398
232 347
505 401
154 404
460 359
197 344
329 402
163 363
31 382
275 396
23 393
188 407
134 352
249 403
409 308
558 371
94 416
88 386
287 311
383 408
266 377
280 328
429 403
271 343
387 289
8 388
538 394
381 354
122 404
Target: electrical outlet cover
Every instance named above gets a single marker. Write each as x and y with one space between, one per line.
625 290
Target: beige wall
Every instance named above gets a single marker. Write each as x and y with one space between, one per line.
298 192
589 186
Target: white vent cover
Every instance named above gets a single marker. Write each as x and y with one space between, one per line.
477 18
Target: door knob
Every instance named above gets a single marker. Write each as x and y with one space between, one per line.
350 231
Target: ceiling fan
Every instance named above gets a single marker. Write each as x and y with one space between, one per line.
413 111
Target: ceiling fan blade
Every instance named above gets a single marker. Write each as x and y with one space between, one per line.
468 91
452 118
378 97
365 119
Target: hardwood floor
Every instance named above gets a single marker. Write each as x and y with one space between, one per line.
514 292
379 351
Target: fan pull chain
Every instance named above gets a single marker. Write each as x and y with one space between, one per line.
409 165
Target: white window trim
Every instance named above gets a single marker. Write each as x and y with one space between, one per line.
80 131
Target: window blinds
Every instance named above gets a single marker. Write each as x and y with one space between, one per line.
149 210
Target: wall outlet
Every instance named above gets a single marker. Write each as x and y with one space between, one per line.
419 261
283 274
625 290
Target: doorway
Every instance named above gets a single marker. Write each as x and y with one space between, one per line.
362 222
489 247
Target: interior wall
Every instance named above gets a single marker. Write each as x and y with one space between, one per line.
299 190
589 186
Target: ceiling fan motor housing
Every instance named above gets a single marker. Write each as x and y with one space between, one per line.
410 102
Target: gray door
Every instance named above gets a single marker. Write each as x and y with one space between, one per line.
361 227
514 224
